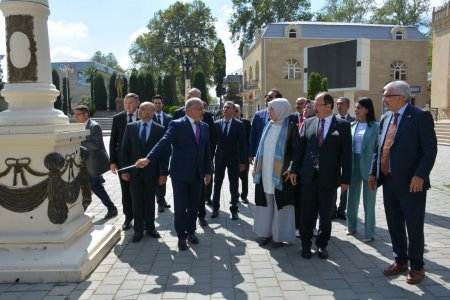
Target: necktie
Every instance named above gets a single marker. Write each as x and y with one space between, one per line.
321 128
387 146
197 131
158 119
300 121
144 134
343 117
130 118
225 131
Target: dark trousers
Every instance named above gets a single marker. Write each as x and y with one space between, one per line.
233 177
126 199
316 200
161 194
208 189
244 181
143 196
342 204
405 208
186 195
98 189
201 203
298 203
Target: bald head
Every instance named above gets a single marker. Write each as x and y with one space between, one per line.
194 93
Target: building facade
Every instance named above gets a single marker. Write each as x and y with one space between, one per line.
276 59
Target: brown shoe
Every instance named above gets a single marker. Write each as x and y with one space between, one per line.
415 276
394 269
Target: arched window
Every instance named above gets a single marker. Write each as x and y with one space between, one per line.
257 71
250 74
399 35
245 77
398 70
292 33
292 69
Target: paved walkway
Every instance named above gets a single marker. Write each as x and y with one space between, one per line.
229 264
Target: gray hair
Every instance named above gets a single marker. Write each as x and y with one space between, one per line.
196 92
344 99
193 102
400 87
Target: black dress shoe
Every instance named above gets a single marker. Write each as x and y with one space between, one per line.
264 241
202 222
182 245
234 215
341 215
111 213
215 214
192 238
165 205
160 208
322 253
136 237
126 225
209 202
153 233
306 253
245 201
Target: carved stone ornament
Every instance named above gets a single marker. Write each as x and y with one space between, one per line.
21 49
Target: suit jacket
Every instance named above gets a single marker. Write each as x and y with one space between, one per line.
166 119
348 118
119 123
260 120
132 150
413 150
98 160
368 147
188 159
208 119
335 153
231 147
248 129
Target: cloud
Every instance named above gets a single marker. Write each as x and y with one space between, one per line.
67 54
137 33
67 31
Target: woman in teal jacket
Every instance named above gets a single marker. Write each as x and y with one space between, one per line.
364 137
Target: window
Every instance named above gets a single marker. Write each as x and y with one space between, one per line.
398 70
250 74
257 71
399 35
292 69
292 33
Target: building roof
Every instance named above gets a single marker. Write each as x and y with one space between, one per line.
330 30
233 78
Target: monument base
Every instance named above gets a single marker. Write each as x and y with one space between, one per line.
69 261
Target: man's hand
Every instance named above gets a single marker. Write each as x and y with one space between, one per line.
126 176
207 178
285 175
241 168
372 182
344 187
113 168
250 160
416 184
162 180
142 163
293 178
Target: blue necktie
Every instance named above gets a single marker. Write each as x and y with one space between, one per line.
144 134
225 131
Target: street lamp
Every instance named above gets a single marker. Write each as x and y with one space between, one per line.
186 66
66 69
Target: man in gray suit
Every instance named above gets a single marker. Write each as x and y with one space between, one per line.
98 160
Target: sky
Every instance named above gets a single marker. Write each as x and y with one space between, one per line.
79 28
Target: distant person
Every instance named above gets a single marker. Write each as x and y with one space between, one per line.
163 119
244 174
190 165
119 86
120 121
139 138
300 104
98 160
406 153
365 136
308 111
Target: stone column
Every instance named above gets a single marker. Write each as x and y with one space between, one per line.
44 234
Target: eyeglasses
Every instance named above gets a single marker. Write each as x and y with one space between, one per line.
389 96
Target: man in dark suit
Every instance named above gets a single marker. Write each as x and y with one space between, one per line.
208 119
139 138
231 155
244 174
190 165
300 105
163 119
98 160
325 151
402 163
120 121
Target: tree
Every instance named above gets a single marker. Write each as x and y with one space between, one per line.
160 89
134 82
125 86
149 87
112 91
351 11
200 83
67 105
314 85
250 15
220 62
402 12
91 73
100 94
324 84
108 60
141 88
169 91
233 93
55 80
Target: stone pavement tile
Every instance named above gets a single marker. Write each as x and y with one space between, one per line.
391 291
88 285
103 268
247 286
12 295
63 289
246 296
270 292
100 297
119 271
294 295
156 280
226 293
127 294
149 296
313 290
266 282
132 284
292 285
33 295
107 289
439 290
6 286
200 279
336 284
18 287
222 283
172 293
196 296
200 288
345 294
81 294
265 273
96 276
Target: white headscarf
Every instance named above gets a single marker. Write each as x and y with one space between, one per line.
281 107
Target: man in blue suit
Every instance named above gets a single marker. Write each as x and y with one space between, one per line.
402 163
190 165
163 119
139 138
231 155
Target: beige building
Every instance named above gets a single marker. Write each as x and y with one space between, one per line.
440 74
276 59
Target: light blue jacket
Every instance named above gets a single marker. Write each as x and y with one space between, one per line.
367 149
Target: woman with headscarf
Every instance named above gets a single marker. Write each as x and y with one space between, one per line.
274 195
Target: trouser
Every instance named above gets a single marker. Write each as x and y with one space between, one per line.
98 189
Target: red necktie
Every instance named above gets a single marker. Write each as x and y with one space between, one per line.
387 146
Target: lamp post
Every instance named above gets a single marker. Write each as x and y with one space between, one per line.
186 66
66 69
